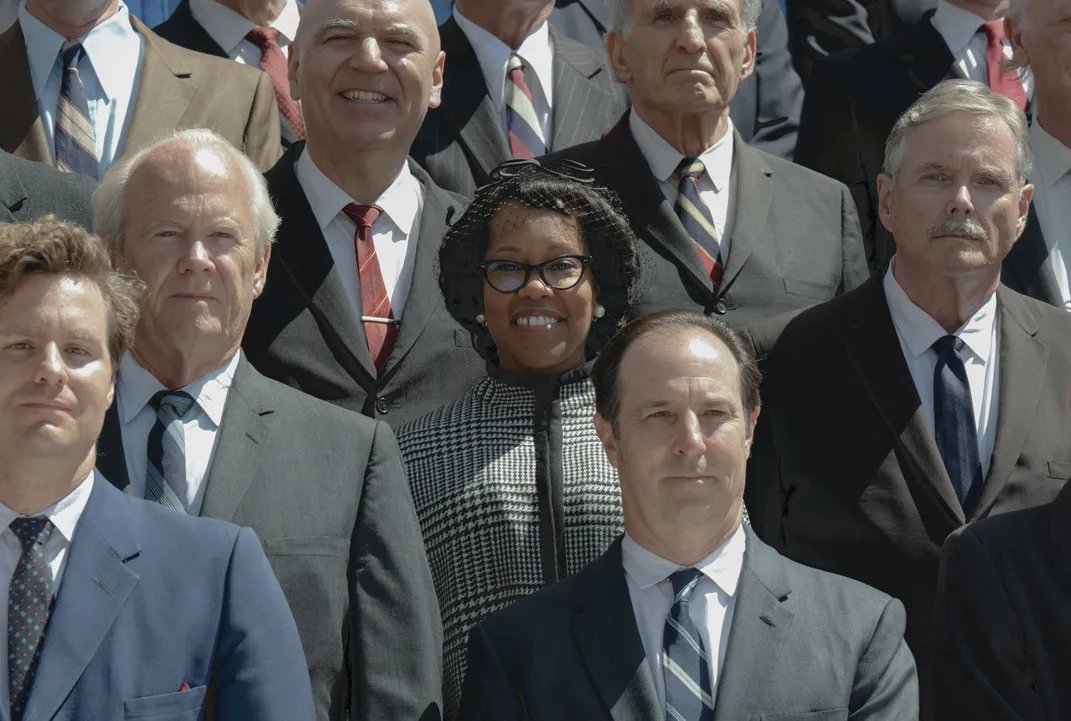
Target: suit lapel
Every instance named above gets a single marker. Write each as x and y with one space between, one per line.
466 105
187 32
574 66
1022 374
241 431
754 193
164 93
874 351
111 456
12 191
622 167
604 629
96 584
302 255
1028 267
926 55
759 627
21 130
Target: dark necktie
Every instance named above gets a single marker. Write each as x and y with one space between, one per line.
953 416
696 218
380 326
28 599
684 659
76 149
525 132
273 62
165 477
1002 80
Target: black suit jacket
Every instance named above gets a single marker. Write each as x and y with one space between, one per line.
794 240
183 29
766 107
803 646
853 100
462 140
303 332
1004 617
29 189
325 491
845 474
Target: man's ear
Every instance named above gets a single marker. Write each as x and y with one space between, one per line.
436 97
293 64
615 50
604 430
1013 31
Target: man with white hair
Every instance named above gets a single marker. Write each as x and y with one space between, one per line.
930 397
725 228
195 428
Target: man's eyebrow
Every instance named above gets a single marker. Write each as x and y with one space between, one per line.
335 24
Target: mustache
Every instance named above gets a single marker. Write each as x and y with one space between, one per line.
954 226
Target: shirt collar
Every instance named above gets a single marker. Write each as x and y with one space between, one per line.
113 38
493 56
229 28
327 199
722 566
664 159
64 514
955 25
137 386
919 330
1052 158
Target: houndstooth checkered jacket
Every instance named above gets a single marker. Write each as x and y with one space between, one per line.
513 491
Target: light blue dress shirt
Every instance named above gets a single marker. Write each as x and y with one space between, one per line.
110 69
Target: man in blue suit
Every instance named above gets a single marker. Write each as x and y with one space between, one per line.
116 608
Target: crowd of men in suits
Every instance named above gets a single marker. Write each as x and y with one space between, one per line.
219 294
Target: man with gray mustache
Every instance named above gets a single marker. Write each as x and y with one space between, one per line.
932 395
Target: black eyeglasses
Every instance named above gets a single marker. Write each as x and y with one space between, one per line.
507 276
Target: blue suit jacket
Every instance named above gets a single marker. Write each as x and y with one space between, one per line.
151 600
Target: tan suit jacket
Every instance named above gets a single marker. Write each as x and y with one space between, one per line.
179 89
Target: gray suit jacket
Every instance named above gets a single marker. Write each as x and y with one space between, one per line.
803 646
303 332
794 242
29 190
462 140
326 492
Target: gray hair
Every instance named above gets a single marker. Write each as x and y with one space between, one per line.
108 198
959 96
619 12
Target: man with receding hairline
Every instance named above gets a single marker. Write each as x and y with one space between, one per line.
352 312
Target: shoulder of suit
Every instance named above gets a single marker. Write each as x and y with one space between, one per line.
533 615
36 175
854 70
180 58
832 593
1050 319
164 527
803 180
1005 534
311 415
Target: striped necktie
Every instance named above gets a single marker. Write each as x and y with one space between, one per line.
525 131
28 600
380 326
165 478
684 659
696 218
76 149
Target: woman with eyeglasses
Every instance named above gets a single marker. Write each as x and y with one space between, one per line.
511 485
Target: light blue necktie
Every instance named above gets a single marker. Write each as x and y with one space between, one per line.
165 478
684 660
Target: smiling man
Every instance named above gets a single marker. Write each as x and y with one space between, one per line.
688 615
352 313
726 229
932 396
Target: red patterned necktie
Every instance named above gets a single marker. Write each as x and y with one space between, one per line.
1002 81
273 62
525 134
380 327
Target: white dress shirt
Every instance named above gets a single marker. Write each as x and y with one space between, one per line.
1052 201
394 233
64 515
110 69
229 28
918 331
963 34
493 55
136 387
710 606
715 187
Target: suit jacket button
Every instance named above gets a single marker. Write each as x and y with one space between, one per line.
721 307
382 406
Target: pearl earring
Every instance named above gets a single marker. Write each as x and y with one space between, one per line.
599 312
480 319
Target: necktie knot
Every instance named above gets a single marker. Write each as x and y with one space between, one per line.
684 582
691 168
263 37
516 62
994 30
71 52
364 216
31 531
176 403
947 345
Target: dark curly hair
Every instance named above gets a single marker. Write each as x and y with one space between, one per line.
600 219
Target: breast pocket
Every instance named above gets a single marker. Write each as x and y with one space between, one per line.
837 714
177 706
1060 469
818 291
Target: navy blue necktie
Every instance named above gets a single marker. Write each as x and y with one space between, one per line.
684 659
76 149
953 416
28 599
